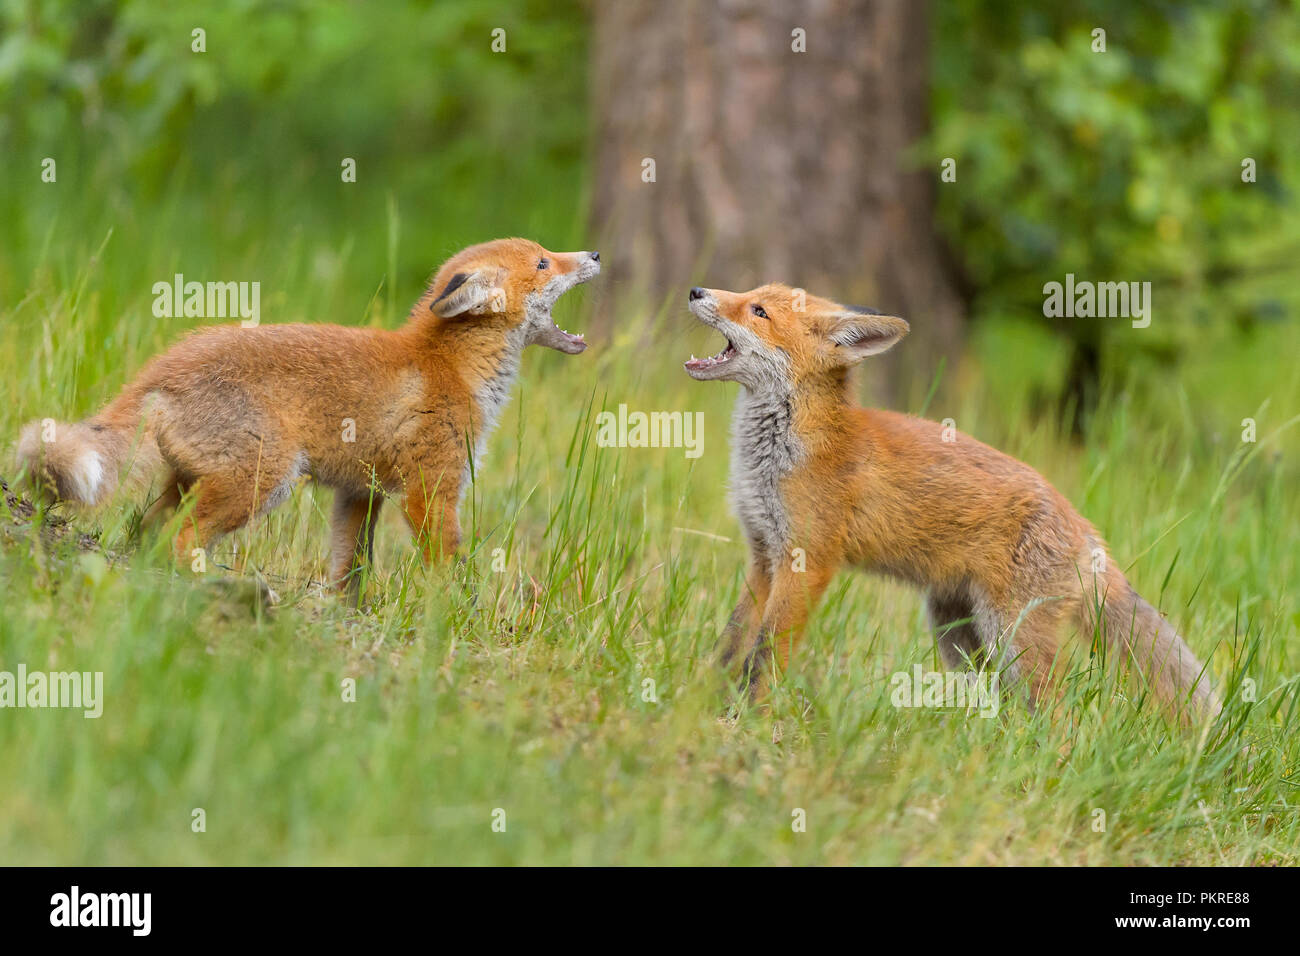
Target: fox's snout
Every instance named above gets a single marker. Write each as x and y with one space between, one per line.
586 263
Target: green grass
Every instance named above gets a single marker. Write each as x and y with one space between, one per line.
478 689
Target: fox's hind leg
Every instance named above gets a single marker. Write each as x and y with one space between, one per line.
1021 638
168 500
1039 633
219 509
952 615
235 473
226 501
1020 643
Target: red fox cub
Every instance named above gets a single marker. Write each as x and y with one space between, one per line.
236 416
1007 564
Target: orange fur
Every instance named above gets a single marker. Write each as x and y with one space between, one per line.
235 416
1005 559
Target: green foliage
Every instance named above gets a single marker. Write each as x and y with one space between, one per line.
468 143
1124 165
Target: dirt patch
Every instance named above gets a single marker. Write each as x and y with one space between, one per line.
20 515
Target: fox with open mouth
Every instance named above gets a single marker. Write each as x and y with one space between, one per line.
1007 564
237 416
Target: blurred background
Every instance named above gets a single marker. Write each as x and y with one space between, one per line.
801 142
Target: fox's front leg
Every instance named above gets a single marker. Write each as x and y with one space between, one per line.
430 510
739 632
352 539
793 596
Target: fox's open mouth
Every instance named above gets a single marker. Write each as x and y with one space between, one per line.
542 327
558 338
709 364
711 361
576 338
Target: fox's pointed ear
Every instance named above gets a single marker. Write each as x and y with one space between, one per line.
471 293
856 333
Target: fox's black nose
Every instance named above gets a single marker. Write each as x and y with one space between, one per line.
595 256
697 293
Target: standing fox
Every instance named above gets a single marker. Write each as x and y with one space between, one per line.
237 416
1006 562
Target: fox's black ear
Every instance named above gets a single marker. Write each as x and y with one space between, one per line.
470 293
856 333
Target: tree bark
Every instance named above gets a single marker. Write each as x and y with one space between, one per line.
771 164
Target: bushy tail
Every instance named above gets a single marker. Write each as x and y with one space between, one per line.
1150 644
85 462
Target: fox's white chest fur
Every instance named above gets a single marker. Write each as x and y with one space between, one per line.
491 397
764 449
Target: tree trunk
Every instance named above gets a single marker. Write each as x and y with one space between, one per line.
771 164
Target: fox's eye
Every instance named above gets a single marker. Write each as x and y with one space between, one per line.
758 311
543 263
